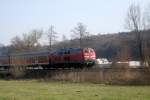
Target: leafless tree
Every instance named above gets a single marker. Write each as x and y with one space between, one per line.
28 42
1 49
65 41
146 18
134 24
147 52
1 45
80 32
134 18
52 36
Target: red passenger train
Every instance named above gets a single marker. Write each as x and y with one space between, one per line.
70 57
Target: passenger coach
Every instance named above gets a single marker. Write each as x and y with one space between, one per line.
71 57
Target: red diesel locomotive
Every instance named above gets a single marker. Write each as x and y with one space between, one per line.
71 57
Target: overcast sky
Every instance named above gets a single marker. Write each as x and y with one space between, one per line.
100 16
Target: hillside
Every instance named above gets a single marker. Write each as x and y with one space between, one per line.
111 45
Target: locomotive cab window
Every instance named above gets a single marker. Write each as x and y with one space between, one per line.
67 52
86 51
91 50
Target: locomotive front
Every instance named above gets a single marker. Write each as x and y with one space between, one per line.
89 56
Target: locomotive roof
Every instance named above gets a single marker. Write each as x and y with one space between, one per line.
68 49
31 53
75 48
43 52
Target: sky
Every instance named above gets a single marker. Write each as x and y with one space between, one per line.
99 16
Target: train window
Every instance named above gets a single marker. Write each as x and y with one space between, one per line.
28 59
33 59
91 50
42 58
67 52
57 53
86 51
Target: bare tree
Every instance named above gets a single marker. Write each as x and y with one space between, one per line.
52 36
65 41
35 36
133 19
134 23
1 49
146 18
28 42
80 32
147 53
1 45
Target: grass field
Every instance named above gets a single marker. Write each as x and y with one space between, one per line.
37 90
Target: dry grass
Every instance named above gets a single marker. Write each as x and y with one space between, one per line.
105 76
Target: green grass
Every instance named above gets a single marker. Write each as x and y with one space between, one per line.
35 90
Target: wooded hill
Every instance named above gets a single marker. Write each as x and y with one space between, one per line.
112 46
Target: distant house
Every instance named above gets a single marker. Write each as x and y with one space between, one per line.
134 64
131 64
102 61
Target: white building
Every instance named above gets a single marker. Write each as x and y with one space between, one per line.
102 61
